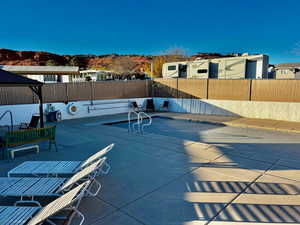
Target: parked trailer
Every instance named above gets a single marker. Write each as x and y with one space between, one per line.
240 67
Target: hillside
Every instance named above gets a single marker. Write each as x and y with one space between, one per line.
120 64
37 58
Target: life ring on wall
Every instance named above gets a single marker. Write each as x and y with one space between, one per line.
72 109
58 116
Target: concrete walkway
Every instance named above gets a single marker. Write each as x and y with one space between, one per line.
277 125
185 173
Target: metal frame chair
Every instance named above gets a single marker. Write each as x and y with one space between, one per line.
34 122
21 215
28 188
165 105
58 168
150 105
136 107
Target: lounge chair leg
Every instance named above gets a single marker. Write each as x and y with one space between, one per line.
80 215
107 168
98 186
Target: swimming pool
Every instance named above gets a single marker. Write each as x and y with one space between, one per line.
208 131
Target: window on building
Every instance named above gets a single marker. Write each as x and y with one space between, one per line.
173 67
49 78
182 68
202 71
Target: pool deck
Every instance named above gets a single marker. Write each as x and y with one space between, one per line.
223 175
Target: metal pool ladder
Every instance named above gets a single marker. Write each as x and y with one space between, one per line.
139 122
11 119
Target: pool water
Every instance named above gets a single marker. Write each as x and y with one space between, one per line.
211 132
174 128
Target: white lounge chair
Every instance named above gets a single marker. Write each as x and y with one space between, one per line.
28 188
20 215
57 168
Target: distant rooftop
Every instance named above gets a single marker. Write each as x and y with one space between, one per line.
288 65
40 70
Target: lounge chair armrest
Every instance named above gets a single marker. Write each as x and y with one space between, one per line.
26 202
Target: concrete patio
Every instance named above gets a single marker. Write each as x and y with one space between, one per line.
181 173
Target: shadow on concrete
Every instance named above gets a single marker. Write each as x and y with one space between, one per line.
161 178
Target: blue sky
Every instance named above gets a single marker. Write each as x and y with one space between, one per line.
150 27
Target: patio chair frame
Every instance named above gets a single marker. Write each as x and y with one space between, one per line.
37 215
53 187
58 168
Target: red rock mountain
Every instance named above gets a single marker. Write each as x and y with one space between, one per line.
37 58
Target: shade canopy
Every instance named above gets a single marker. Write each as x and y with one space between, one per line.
12 79
8 79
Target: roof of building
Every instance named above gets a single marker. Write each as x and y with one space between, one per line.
41 70
94 71
12 79
288 65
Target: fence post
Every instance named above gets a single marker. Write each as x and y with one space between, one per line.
207 87
177 94
32 97
67 92
124 89
250 90
92 91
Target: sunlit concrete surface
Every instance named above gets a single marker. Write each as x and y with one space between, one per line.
183 173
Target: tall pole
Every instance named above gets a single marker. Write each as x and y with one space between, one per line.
40 94
38 91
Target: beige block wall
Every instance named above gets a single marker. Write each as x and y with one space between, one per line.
285 74
286 111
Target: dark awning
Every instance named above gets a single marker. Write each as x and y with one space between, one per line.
11 79
8 79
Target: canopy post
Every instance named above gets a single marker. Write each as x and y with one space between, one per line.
41 106
38 91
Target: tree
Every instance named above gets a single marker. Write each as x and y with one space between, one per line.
157 65
74 61
146 68
169 55
123 65
51 62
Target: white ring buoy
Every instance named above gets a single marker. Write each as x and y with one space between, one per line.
72 109
58 116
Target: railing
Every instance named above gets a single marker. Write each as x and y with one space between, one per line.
11 118
139 122
107 105
141 115
132 129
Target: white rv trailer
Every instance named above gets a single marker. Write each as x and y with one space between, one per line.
239 67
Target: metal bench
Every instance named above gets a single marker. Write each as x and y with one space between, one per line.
14 150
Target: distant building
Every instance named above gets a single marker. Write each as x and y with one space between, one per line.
46 74
288 71
238 67
92 75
